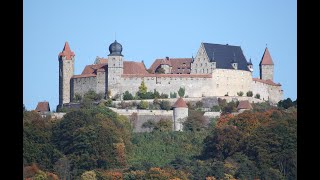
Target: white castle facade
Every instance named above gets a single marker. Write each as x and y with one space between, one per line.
217 70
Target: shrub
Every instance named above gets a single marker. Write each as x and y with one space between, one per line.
163 125
127 96
143 105
249 94
108 103
215 108
149 124
199 104
181 91
77 97
165 105
156 94
173 95
240 93
164 96
257 96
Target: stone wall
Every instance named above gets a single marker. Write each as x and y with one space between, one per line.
229 81
101 82
266 72
267 92
83 85
194 87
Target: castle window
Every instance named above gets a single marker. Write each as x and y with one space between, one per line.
217 85
114 64
201 64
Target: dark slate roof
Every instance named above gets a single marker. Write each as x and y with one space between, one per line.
225 54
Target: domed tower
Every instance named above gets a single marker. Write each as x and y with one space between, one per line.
115 68
66 71
180 114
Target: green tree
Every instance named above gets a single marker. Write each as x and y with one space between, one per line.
286 103
143 105
257 96
150 124
195 121
77 97
240 93
127 96
163 125
165 105
249 94
181 92
143 88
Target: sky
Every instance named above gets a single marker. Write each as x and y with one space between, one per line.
149 30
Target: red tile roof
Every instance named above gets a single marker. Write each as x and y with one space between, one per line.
43 107
266 58
131 67
67 51
179 65
244 105
180 103
90 69
270 82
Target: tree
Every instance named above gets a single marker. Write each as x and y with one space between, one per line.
165 105
249 94
240 93
163 125
143 88
286 103
127 96
160 71
181 92
143 105
195 121
224 142
77 97
257 96
150 124
88 175
173 95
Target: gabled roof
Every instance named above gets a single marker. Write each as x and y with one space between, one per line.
180 103
179 65
224 55
67 51
244 105
266 58
269 81
131 67
43 107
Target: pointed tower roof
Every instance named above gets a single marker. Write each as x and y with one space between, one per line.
180 103
266 58
66 51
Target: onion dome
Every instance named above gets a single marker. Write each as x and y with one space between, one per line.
115 49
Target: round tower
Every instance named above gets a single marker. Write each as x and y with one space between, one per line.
66 71
180 114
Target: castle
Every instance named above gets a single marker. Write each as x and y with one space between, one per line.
216 70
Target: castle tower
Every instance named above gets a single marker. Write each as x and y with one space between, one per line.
250 66
180 114
66 71
266 66
115 69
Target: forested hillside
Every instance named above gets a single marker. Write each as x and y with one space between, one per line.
96 143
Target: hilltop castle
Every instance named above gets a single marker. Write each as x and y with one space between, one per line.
217 70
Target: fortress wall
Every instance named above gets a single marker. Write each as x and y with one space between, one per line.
101 82
84 84
228 81
194 87
261 88
275 94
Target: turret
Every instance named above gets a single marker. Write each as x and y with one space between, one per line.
180 114
250 66
115 68
266 66
66 71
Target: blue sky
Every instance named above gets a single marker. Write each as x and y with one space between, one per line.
152 29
